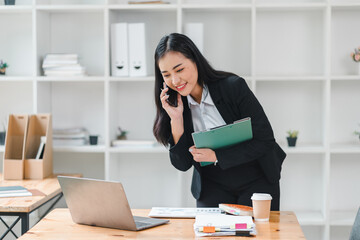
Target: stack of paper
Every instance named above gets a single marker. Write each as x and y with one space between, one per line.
224 225
182 212
14 191
62 65
41 149
70 137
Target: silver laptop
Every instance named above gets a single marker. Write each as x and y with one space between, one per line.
102 203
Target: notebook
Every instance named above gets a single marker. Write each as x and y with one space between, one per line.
223 136
102 203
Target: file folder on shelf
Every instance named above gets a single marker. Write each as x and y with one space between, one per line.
13 166
195 31
137 51
119 50
223 136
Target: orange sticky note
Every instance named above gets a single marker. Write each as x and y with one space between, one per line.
209 229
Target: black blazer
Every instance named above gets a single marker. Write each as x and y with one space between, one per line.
234 100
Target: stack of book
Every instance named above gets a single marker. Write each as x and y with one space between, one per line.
223 225
70 137
62 65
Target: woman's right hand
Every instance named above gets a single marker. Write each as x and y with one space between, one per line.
175 113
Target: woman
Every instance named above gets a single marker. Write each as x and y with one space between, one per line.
208 98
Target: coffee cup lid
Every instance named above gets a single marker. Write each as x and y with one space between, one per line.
261 196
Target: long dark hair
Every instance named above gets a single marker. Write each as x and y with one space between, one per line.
177 42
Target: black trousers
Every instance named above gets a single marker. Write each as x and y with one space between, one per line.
212 193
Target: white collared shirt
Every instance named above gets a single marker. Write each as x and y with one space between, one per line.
204 115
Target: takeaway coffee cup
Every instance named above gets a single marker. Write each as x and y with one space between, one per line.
261 206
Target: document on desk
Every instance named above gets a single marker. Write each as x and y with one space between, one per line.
224 225
14 191
182 212
223 136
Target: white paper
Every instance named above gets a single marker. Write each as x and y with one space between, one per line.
183 212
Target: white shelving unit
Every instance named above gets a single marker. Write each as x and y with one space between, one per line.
295 56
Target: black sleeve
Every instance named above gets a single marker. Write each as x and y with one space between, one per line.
180 156
246 105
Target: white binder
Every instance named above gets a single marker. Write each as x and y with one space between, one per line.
119 50
195 31
137 53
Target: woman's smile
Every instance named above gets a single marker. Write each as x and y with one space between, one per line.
181 87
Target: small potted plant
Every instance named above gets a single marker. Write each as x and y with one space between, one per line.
357 133
292 137
122 134
356 56
3 66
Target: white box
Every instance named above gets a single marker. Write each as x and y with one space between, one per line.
195 31
119 50
137 53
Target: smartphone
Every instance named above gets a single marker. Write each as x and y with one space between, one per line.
172 100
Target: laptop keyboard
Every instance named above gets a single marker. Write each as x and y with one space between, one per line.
141 224
142 221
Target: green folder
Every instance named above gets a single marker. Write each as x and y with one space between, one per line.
223 136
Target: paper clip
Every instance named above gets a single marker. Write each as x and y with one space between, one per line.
240 226
208 229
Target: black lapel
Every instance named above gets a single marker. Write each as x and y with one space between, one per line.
219 101
188 124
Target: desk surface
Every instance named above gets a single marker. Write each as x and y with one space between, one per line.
59 225
43 190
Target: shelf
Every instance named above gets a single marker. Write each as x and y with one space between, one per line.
71 8
71 79
83 149
345 148
16 79
289 78
304 149
345 5
132 79
150 7
342 218
16 9
310 218
205 7
290 6
346 77
157 149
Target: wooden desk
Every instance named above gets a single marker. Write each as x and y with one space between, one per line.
59 225
43 191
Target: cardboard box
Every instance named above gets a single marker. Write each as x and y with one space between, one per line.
38 161
13 164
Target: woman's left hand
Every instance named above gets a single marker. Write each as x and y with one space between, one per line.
202 154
